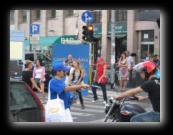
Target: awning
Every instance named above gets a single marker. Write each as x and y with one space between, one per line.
118 35
47 41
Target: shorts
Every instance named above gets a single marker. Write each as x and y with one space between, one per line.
37 80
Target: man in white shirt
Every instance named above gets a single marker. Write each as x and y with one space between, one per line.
130 65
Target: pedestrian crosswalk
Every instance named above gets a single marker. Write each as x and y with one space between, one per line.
93 112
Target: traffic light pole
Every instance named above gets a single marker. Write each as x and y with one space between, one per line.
112 47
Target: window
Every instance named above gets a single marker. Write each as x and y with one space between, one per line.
29 57
120 15
43 58
97 17
38 12
21 97
147 35
24 15
146 49
72 12
53 13
11 16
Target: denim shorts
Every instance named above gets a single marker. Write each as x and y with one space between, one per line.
37 80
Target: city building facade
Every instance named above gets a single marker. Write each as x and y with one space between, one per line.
135 30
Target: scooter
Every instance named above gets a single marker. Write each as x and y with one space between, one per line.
118 111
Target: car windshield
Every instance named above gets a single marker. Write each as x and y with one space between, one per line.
43 58
21 97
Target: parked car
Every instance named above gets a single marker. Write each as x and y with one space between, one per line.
25 106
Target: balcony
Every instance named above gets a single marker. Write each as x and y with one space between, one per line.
147 15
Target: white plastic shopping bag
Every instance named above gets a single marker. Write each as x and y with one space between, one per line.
54 109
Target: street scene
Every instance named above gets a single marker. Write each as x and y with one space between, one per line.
84 66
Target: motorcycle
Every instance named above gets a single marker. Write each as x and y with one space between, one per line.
119 111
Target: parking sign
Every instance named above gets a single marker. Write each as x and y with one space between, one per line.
34 29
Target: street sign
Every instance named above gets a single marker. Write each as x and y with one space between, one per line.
34 34
35 39
87 17
34 29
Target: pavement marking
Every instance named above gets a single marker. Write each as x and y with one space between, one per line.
90 106
99 120
86 110
81 114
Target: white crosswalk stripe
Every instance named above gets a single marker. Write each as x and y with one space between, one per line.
90 110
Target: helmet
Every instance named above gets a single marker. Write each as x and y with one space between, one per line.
148 67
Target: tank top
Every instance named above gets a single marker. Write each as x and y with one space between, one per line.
100 69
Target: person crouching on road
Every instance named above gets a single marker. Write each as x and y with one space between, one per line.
57 86
100 74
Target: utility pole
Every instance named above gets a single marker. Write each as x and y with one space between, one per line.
30 21
112 47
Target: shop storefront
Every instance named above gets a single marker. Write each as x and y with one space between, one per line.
47 42
120 37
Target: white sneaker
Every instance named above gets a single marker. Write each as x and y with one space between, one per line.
94 100
104 102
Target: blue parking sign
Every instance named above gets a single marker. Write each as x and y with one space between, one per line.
34 29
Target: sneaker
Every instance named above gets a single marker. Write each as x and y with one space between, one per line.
94 100
82 106
104 102
78 102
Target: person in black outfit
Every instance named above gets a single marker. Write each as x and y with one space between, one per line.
151 85
27 75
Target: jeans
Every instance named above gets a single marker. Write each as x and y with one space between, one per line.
103 87
146 117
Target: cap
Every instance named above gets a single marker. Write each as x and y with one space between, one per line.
59 67
100 59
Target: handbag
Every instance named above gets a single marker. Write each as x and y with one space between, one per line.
54 109
103 80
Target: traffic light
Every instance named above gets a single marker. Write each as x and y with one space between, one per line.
88 33
85 31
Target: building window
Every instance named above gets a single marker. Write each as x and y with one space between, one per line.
53 13
24 15
71 12
147 36
97 16
120 15
38 13
11 16
125 15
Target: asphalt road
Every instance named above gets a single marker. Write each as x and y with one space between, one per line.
94 112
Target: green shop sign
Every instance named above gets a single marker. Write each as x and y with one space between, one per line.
97 30
120 28
47 42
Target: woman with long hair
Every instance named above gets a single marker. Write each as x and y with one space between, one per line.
57 86
75 78
123 71
39 76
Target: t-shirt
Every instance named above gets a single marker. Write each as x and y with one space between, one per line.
57 87
152 87
129 59
26 76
